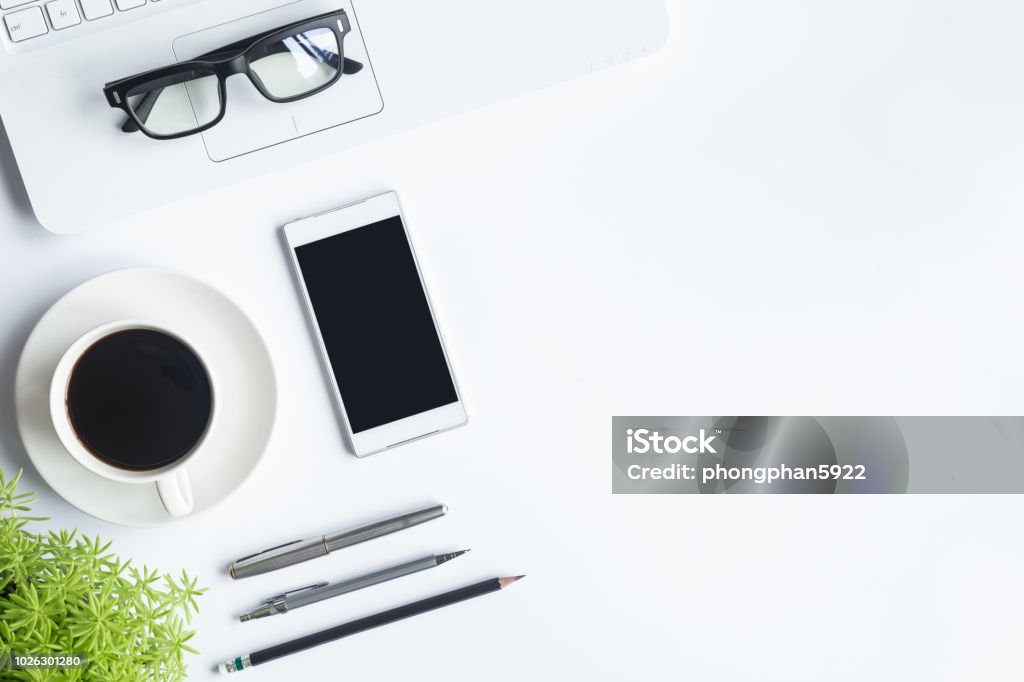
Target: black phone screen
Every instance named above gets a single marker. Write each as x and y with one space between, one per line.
376 324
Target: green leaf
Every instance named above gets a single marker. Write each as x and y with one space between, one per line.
64 593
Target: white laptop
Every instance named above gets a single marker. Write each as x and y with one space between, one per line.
421 61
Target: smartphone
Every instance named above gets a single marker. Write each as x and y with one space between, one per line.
388 367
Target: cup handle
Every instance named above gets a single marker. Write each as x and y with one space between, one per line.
176 493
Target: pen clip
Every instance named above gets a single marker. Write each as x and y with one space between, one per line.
264 551
290 593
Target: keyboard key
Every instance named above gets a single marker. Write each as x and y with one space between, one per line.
130 4
28 23
7 4
96 9
63 14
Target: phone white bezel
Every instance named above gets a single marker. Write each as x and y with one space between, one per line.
338 221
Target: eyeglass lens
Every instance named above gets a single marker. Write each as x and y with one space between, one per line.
178 103
299 64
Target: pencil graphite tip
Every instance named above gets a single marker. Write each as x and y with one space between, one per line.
505 582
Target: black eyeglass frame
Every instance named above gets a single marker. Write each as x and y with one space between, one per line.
229 61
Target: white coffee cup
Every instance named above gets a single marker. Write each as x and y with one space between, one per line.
172 481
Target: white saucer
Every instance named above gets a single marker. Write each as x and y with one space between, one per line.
246 386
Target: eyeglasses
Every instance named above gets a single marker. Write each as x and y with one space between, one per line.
284 65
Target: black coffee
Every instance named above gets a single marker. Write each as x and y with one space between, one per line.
139 399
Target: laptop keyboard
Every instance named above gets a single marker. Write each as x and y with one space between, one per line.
29 19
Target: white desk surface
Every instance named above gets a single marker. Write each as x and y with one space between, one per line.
793 208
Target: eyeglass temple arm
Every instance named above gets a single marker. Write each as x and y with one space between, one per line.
149 100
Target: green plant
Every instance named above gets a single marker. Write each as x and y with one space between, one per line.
61 593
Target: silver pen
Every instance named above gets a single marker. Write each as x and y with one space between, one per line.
283 603
292 553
